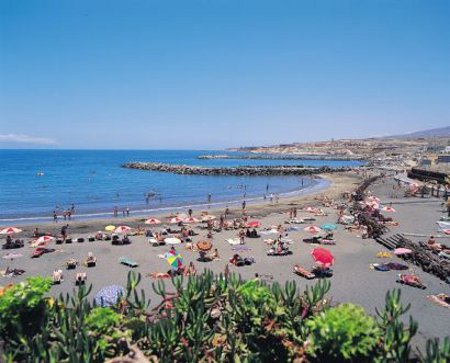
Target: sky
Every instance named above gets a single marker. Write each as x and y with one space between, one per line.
214 74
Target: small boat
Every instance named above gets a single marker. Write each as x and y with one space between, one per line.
40 173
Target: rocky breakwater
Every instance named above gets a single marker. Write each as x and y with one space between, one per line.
262 170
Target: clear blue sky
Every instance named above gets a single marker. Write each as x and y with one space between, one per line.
219 73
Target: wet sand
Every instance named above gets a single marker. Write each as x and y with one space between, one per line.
353 281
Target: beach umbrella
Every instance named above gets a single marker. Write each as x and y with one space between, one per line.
109 295
328 227
175 220
191 220
110 228
323 257
204 245
12 255
122 229
152 221
253 224
208 218
402 251
389 209
10 230
312 229
43 239
172 241
174 260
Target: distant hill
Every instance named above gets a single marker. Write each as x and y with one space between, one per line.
439 132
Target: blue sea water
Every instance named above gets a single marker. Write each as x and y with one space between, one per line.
94 181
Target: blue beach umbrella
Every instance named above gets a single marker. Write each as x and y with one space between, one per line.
108 295
328 227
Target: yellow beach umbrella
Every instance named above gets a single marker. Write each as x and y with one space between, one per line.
110 228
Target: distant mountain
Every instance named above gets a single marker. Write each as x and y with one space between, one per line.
439 132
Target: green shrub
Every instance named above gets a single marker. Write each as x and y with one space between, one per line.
22 307
343 333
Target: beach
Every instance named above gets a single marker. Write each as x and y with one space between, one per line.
352 281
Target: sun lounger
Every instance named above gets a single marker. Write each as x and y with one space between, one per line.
91 260
128 262
411 280
81 278
71 263
303 272
440 299
57 277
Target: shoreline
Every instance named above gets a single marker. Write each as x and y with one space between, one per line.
332 184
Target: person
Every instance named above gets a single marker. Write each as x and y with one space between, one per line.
242 237
432 243
65 215
190 212
9 239
69 214
215 254
448 207
243 205
271 197
64 231
267 188
209 197
55 216
116 211
36 233
127 211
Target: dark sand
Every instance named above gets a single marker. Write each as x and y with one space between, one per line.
353 281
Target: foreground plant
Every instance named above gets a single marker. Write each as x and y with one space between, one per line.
206 318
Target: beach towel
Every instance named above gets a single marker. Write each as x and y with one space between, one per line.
380 267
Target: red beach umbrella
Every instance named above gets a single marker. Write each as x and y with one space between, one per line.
43 239
152 221
191 220
323 257
253 224
312 229
122 229
10 230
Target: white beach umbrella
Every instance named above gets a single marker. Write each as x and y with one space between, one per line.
208 217
152 221
10 230
172 241
175 220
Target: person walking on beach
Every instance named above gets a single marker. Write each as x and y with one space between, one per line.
64 231
271 197
127 211
243 205
190 212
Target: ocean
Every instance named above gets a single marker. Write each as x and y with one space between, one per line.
34 183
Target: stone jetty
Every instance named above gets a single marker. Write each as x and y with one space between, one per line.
262 170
